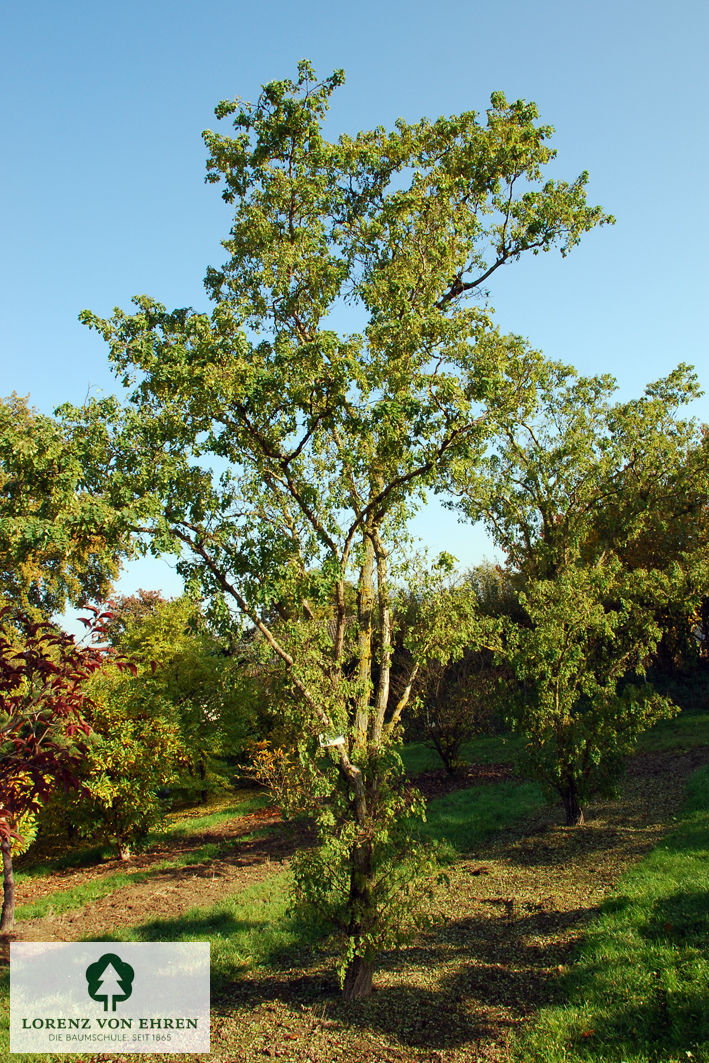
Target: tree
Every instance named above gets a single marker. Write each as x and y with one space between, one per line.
134 750
463 696
177 720
128 610
599 507
195 676
284 458
60 533
43 728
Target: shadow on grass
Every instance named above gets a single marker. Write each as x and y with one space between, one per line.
638 991
89 855
35 865
466 980
463 819
643 1001
680 920
486 974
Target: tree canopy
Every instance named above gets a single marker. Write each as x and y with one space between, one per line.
61 536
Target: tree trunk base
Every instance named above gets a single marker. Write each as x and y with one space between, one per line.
574 812
575 819
358 979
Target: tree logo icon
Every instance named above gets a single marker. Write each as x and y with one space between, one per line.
110 980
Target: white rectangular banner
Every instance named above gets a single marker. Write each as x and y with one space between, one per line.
104 996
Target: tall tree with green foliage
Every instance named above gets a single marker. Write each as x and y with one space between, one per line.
600 507
284 457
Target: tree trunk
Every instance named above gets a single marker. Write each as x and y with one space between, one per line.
572 808
124 852
203 794
358 976
8 903
358 979
365 609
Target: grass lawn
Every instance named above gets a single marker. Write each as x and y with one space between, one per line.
500 974
639 991
685 731
488 749
461 821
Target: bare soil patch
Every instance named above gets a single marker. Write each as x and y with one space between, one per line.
170 891
439 783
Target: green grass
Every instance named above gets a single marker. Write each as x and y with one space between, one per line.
178 825
493 749
250 931
462 820
488 749
638 992
685 731
181 824
682 732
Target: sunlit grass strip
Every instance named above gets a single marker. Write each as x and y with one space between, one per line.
638 992
488 749
462 820
681 732
77 897
180 824
250 928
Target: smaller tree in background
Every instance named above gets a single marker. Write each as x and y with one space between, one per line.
459 700
43 725
177 722
195 676
134 750
581 656
600 508
464 694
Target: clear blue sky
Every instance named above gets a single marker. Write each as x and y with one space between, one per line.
103 164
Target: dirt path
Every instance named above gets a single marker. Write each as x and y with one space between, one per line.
169 892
